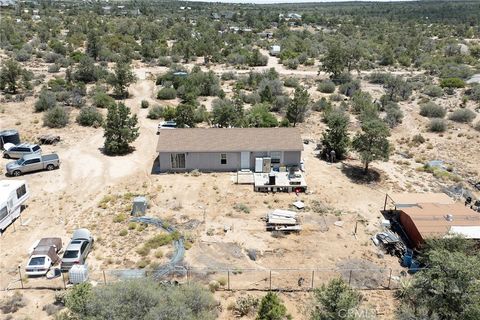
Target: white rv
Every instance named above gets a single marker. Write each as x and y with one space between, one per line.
13 193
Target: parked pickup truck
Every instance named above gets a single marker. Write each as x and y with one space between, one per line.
33 162
44 255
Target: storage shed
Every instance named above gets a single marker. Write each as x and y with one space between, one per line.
434 220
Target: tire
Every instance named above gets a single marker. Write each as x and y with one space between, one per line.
17 173
50 167
6 156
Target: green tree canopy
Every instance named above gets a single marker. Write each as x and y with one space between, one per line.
335 301
372 143
120 129
298 107
121 79
272 308
336 136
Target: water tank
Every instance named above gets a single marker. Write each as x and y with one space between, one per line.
78 273
9 136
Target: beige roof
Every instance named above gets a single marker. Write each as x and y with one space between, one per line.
431 218
400 199
229 140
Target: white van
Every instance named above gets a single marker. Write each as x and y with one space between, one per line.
13 193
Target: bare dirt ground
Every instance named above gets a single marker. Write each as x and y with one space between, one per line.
95 191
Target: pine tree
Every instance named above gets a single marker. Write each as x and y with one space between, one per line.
120 129
298 107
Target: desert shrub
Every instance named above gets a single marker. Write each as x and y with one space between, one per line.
432 110
477 126
260 117
22 56
13 303
475 93
455 70
241 207
271 308
89 116
55 117
291 82
144 104
51 309
164 61
120 217
280 103
245 305
155 112
167 94
321 105
46 100
379 78
291 63
452 83
433 91
437 125
418 139
252 98
393 116
342 78
462 115
102 100
52 57
326 86
349 88
54 68
336 97
230 75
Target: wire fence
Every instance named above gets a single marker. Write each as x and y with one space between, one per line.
223 279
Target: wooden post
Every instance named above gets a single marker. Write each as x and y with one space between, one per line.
313 277
20 275
270 280
385 204
350 277
390 278
63 280
228 280
356 225
104 278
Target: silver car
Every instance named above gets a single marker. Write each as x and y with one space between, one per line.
78 249
18 151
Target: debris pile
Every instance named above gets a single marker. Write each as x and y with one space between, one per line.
283 220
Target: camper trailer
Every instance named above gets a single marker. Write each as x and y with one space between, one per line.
13 193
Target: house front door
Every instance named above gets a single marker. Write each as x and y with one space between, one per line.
245 160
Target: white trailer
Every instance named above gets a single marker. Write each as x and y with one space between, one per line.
13 193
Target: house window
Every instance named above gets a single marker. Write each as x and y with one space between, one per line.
178 160
223 158
21 191
276 157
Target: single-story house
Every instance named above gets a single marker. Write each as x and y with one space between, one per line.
227 149
434 220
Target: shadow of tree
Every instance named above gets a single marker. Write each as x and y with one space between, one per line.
356 174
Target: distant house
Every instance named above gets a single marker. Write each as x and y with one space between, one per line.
233 149
294 16
215 16
275 50
7 3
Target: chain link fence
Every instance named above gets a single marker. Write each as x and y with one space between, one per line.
222 279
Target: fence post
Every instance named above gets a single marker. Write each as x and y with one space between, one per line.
270 280
350 277
104 278
228 279
63 280
313 277
20 275
389 278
